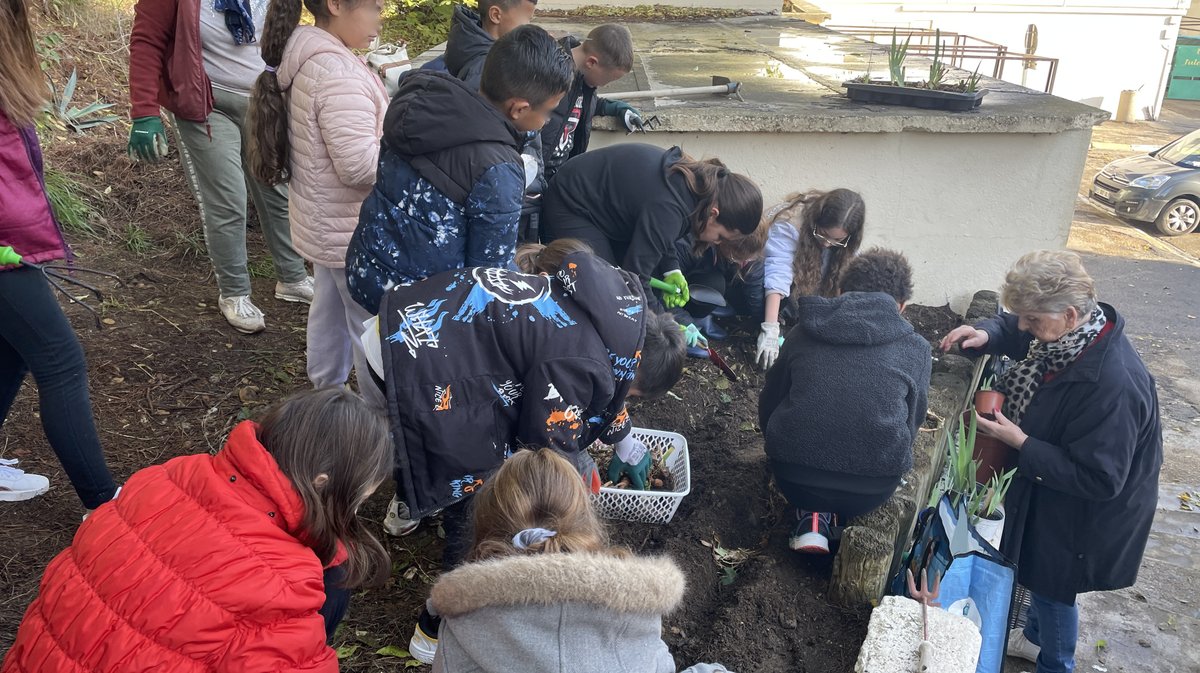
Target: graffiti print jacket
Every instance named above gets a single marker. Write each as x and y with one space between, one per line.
480 362
448 190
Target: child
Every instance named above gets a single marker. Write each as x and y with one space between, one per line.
451 178
221 563
35 336
631 202
841 409
324 137
812 239
472 34
604 57
544 586
199 59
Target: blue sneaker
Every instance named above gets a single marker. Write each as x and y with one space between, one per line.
697 352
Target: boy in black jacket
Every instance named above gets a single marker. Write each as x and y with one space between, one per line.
841 407
451 179
604 57
472 34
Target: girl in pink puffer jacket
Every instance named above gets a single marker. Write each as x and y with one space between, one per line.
316 117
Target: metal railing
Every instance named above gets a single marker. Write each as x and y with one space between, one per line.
957 48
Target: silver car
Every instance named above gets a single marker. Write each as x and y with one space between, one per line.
1162 187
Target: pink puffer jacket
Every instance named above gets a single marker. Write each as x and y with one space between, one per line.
335 110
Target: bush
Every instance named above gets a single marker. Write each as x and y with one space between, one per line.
420 23
73 211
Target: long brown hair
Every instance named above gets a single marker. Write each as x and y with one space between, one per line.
736 196
538 258
537 488
333 433
836 209
268 151
23 89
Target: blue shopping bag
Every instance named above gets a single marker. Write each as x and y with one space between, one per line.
977 582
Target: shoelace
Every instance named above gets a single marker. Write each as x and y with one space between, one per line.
244 308
8 472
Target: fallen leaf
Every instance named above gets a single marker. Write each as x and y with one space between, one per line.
393 651
412 663
346 651
109 321
722 384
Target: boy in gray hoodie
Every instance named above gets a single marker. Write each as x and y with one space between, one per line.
841 407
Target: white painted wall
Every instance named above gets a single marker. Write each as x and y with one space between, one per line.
1103 46
978 202
750 5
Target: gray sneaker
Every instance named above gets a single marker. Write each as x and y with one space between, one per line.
300 291
242 314
397 523
1020 647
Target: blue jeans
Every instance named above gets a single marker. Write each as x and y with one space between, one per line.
36 338
1054 627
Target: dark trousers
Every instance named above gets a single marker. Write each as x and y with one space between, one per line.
557 222
846 495
337 599
36 338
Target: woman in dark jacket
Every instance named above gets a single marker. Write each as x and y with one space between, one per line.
1081 409
631 202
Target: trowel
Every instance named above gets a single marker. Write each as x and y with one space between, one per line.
721 86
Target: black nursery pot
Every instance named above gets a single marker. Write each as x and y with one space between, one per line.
928 99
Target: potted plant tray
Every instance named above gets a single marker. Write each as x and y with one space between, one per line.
913 96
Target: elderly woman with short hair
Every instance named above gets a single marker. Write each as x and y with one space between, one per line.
1081 409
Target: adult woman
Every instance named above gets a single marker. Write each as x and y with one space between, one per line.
35 336
812 238
199 59
631 202
1082 411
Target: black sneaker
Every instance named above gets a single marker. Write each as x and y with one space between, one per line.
812 533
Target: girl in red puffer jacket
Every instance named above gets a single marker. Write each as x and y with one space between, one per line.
240 561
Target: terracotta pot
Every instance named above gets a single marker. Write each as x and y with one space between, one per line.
987 401
993 455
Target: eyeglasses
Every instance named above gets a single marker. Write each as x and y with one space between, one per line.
845 240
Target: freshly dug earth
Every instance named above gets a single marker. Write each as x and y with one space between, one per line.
168 377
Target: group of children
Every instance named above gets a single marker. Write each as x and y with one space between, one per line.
489 281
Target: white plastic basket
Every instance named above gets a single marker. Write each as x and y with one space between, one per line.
650 506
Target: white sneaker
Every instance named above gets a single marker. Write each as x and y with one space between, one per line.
1020 647
19 485
422 647
301 291
397 522
242 314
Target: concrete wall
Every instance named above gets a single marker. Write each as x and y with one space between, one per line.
749 5
1102 46
992 196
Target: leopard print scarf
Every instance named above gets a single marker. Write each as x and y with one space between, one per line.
1020 381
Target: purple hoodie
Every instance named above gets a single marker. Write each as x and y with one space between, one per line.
26 221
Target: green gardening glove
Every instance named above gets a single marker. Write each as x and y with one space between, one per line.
680 297
8 256
638 466
147 139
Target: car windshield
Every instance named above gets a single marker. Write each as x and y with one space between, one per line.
1183 152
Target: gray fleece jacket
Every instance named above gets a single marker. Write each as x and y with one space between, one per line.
553 613
849 390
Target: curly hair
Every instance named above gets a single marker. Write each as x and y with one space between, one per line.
836 209
879 270
663 354
1049 281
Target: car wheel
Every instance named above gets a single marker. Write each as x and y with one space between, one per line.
1179 217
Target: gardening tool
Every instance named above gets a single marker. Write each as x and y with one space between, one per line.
701 294
719 361
720 86
926 597
60 272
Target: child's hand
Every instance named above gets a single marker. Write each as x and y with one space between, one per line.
680 297
631 458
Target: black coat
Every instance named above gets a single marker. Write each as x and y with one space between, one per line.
480 362
569 129
850 389
1078 513
467 46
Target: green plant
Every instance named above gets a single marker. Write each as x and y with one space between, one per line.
49 50
987 382
994 492
72 210
896 56
937 69
190 244
972 82
261 268
136 239
75 118
420 23
962 465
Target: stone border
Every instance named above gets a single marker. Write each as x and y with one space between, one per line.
873 544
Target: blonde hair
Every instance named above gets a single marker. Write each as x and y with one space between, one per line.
537 488
538 258
1049 281
22 87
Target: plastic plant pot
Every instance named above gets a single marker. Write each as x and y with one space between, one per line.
887 94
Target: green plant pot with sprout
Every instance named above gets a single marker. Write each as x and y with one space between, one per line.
937 92
984 500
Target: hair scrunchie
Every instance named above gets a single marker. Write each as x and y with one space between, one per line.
269 68
531 536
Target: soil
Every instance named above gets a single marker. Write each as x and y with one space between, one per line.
168 377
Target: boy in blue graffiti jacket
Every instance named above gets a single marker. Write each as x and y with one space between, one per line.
451 180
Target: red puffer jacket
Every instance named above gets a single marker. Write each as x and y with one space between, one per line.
195 567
